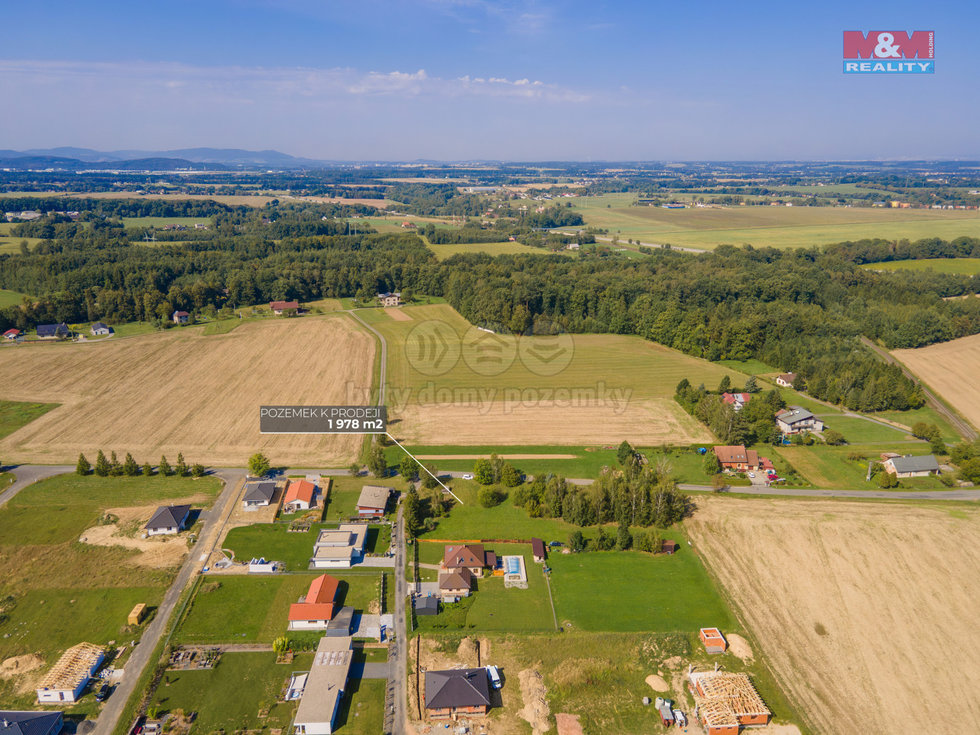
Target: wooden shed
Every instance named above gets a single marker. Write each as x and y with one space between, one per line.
538 550
669 546
713 640
137 614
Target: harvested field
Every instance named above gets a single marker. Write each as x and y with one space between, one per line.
950 368
183 391
399 315
861 609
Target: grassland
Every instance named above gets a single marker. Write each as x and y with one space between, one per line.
183 391
276 542
957 266
846 597
17 414
10 298
490 248
765 226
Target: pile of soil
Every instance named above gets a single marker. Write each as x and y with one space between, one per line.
19 665
535 710
657 683
739 646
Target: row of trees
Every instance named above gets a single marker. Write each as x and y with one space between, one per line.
129 467
753 423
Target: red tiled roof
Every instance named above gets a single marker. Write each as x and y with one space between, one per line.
9 332
731 454
280 305
300 490
470 555
319 603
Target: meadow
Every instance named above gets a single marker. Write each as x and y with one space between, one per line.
159 222
956 266
448 250
17 414
10 298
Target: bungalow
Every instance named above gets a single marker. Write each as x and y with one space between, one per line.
390 299
100 329
181 317
314 611
340 548
30 723
786 380
53 331
457 692
258 494
168 519
280 307
726 702
324 686
455 584
468 556
736 400
909 466
737 458
373 501
537 550
300 495
11 334
794 420
66 680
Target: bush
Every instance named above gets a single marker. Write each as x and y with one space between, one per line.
258 465
576 541
887 480
834 437
490 496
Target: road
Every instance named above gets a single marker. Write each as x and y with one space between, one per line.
962 426
396 716
27 474
215 521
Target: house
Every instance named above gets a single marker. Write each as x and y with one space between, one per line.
713 640
324 686
168 519
100 329
726 702
314 611
467 556
390 299
794 420
66 680
262 566
258 494
11 334
909 466
181 317
53 331
408 225
340 548
736 400
373 501
428 605
455 584
537 550
737 458
786 380
457 692
279 307
14 722
300 495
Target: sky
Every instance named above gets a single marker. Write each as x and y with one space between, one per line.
517 80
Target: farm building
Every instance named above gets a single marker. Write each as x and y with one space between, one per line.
137 614
168 519
713 640
300 495
340 548
737 458
794 419
181 317
538 550
373 501
66 680
469 556
281 307
455 584
30 723
53 331
324 687
258 494
314 611
457 692
786 380
736 400
390 299
11 334
100 329
909 466
725 702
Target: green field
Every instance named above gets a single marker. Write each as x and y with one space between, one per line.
861 431
10 298
274 541
765 226
957 266
830 467
490 248
925 414
16 414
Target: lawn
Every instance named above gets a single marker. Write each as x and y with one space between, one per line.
862 431
587 461
361 710
10 298
922 414
274 541
344 492
956 266
829 467
750 367
16 414
448 250
619 591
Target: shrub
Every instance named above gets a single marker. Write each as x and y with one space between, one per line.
490 496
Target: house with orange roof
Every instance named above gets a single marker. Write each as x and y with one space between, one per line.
314 611
300 495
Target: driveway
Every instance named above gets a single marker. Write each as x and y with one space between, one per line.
28 474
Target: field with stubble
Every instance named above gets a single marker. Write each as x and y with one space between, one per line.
184 391
866 612
950 368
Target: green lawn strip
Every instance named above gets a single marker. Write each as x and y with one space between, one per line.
749 367
16 414
273 542
831 467
6 478
10 298
926 414
361 711
587 462
862 431
957 266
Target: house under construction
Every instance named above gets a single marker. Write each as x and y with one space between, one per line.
725 702
66 680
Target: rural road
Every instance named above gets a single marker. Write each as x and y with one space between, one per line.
141 656
382 376
397 650
27 474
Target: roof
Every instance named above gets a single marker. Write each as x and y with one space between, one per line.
732 453
349 535
457 579
50 330
279 305
786 377
74 667
722 697
793 415
10 332
732 398
374 496
255 491
300 490
457 688
427 605
29 723
100 325
326 682
908 463
467 555
537 547
319 602
168 516
181 313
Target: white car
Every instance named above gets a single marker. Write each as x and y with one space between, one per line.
468 476
752 475
493 673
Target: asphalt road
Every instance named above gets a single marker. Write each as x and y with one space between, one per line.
398 650
27 474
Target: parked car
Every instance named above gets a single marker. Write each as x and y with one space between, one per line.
102 693
752 475
494 673
468 476
555 543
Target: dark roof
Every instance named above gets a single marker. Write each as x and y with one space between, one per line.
51 330
537 547
491 560
456 579
794 414
168 516
428 605
457 688
100 325
29 723
909 463
341 623
260 491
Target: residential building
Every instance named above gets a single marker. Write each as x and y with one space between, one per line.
315 611
736 400
259 494
300 495
390 299
15 722
100 329
737 458
324 686
181 317
340 548
53 331
168 519
457 692
373 501
66 680
794 420
455 584
281 307
467 556
909 466
726 702
11 334
786 380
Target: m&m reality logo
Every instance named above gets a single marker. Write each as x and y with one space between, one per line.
889 52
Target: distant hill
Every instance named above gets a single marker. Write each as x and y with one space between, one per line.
22 162
224 157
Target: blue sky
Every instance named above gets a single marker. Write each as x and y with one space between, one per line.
483 79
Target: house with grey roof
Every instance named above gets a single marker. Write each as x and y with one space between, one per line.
795 419
168 519
457 692
909 466
258 494
16 722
